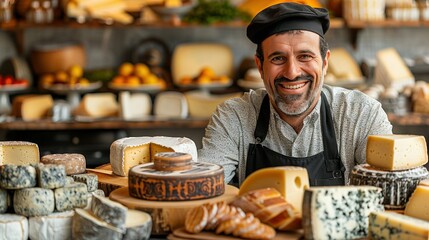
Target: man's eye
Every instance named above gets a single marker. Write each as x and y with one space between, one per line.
278 60
305 57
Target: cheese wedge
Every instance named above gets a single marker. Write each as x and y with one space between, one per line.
289 181
418 204
19 153
396 152
32 107
98 105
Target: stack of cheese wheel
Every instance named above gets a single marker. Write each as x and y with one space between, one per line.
395 164
38 196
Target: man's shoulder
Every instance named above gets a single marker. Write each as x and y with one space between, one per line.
341 96
252 98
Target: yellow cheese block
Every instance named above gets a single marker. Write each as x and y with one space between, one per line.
32 107
396 152
288 180
343 66
98 105
418 204
19 153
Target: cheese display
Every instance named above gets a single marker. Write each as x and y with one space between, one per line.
128 152
418 204
56 226
109 211
13 226
4 200
202 104
268 205
32 202
98 105
71 196
204 180
396 151
90 180
74 163
32 107
19 153
17 176
51 176
288 180
395 226
343 68
134 105
226 219
397 186
170 105
339 212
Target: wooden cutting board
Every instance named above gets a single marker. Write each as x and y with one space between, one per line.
167 215
107 180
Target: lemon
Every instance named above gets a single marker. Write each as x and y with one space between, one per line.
76 71
151 79
126 69
141 70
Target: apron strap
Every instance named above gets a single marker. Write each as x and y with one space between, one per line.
262 124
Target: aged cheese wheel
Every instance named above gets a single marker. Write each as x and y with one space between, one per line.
75 163
109 211
204 180
56 226
32 202
172 161
51 176
87 226
397 186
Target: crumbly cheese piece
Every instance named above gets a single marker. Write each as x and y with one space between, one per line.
90 179
109 211
397 186
13 226
396 151
395 226
71 196
418 205
51 176
289 181
138 225
4 200
19 153
32 202
339 212
75 163
87 226
129 152
17 177
53 226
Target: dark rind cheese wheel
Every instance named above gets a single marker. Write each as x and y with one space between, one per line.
172 161
397 186
204 180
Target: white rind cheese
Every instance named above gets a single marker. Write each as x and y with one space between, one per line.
396 152
4 200
339 212
75 163
138 225
13 227
32 202
17 177
90 179
71 196
19 153
126 153
395 226
109 211
397 186
86 226
51 176
53 226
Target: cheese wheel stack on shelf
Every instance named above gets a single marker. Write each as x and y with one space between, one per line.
395 164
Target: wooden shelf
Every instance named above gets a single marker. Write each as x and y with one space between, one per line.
383 23
411 119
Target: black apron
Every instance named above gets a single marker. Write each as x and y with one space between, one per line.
324 168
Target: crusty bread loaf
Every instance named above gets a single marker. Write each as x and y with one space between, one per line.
271 208
227 219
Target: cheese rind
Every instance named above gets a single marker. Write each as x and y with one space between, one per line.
19 153
86 226
397 186
396 152
17 177
138 225
32 202
71 196
98 105
126 153
289 181
418 204
51 176
13 226
74 163
32 107
339 212
395 226
53 226
90 179
4 200
109 211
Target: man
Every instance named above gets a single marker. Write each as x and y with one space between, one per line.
297 120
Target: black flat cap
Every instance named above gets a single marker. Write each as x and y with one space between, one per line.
287 16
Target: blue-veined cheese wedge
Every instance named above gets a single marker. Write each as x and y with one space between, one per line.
397 186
